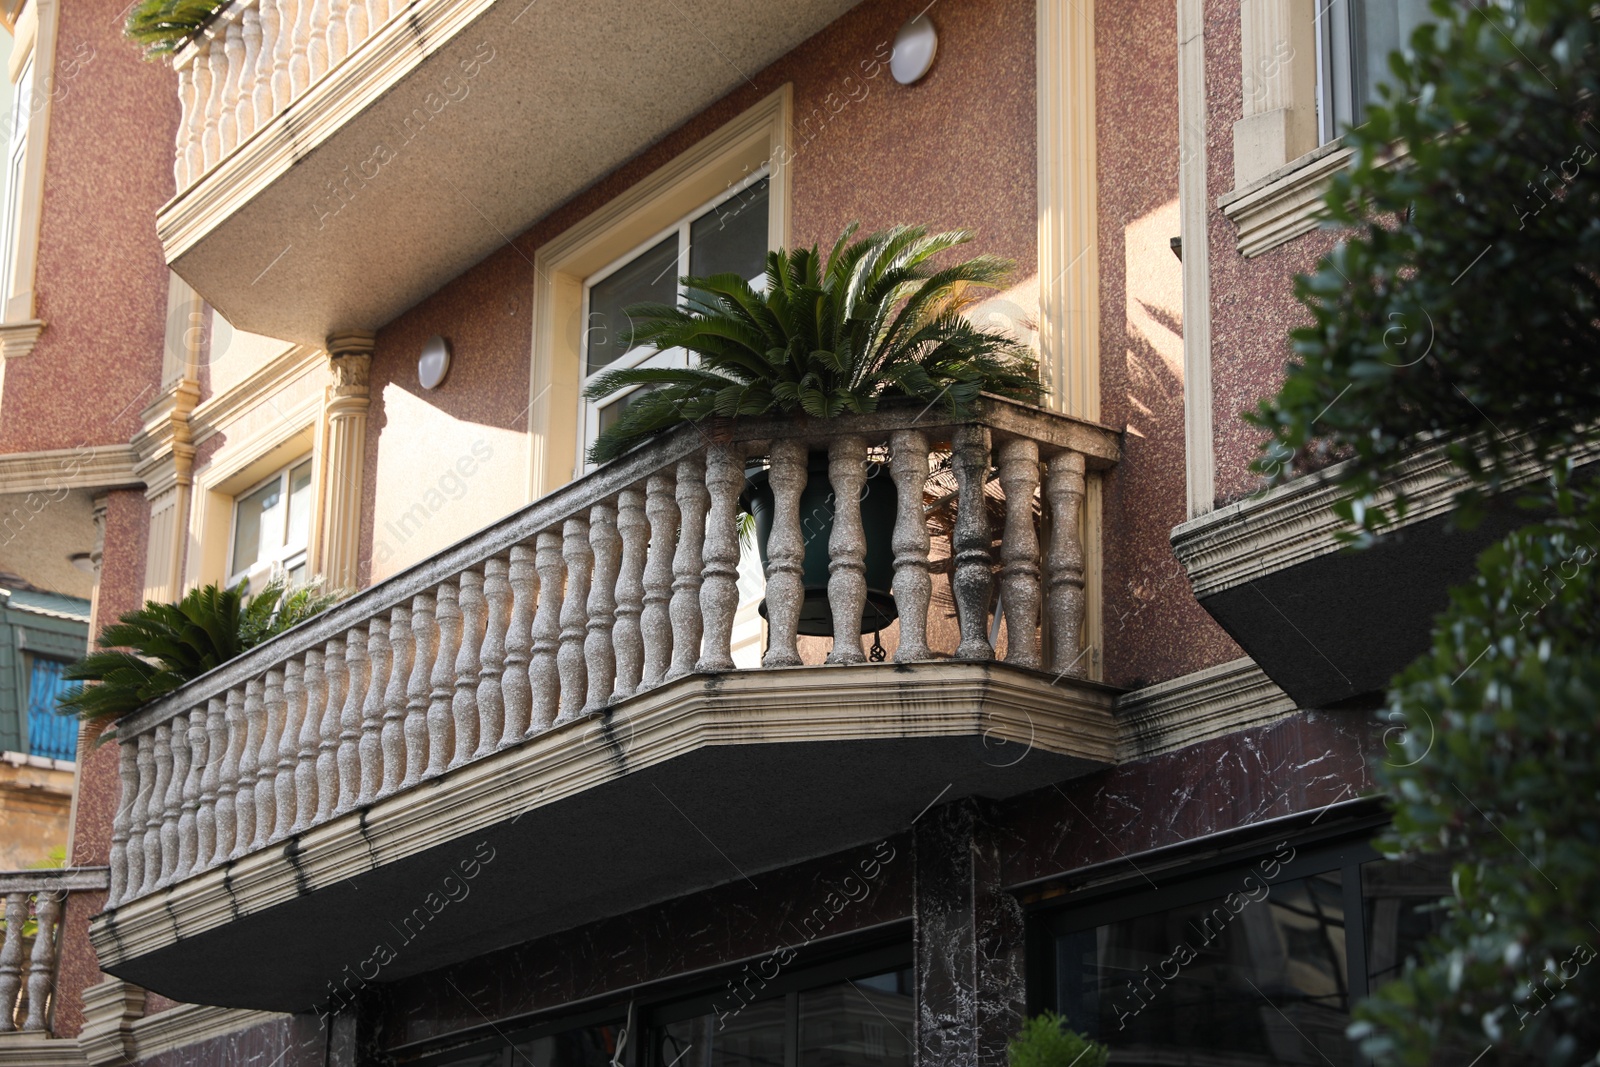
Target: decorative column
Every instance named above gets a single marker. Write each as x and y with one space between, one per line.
345 408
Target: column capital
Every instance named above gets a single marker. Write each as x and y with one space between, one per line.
350 358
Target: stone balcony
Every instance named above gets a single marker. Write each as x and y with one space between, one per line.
546 718
339 160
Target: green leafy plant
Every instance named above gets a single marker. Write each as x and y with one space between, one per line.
150 652
162 26
878 319
1045 1041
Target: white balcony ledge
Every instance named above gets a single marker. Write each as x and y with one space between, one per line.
338 198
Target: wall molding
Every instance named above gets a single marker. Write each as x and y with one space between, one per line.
1194 216
1201 706
17 339
1285 204
86 467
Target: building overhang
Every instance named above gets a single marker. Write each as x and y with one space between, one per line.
701 781
443 136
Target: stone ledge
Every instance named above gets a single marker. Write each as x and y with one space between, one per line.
1285 204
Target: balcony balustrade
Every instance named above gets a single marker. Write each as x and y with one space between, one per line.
600 595
33 902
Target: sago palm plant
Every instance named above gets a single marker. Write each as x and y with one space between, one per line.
878 319
163 26
150 652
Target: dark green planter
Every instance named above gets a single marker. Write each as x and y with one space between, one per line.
878 500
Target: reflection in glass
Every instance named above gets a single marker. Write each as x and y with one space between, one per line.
1385 26
586 1046
1401 899
258 526
732 237
1260 982
863 1023
748 1037
650 277
299 505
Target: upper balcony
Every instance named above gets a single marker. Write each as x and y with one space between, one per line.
339 160
547 717
1329 624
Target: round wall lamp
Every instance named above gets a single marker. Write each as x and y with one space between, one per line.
914 48
434 363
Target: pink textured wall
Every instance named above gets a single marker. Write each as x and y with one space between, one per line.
102 280
954 150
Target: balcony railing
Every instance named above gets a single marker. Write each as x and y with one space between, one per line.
613 585
29 951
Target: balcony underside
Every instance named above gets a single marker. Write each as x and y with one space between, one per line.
689 785
445 133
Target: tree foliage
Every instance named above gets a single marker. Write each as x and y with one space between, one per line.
1046 1041
878 319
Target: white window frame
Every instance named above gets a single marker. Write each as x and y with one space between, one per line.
287 557
33 57
589 414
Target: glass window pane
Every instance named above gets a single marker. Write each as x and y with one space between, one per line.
732 237
861 1023
258 526
1401 899
1385 26
587 1046
299 505
1249 981
652 276
751 1036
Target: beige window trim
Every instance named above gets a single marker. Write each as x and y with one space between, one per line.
1278 56
755 139
1285 203
35 38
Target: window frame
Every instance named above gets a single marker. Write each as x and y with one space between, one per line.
589 410
287 557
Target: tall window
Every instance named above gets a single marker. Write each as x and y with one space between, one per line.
1354 39
727 235
50 734
15 178
271 526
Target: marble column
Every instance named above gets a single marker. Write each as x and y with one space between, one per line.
349 359
967 936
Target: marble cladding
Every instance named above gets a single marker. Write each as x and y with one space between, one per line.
290 1041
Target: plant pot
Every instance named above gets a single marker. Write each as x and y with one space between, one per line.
878 513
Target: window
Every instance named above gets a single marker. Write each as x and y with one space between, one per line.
1354 39
271 525
727 235
1257 964
49 734
15 179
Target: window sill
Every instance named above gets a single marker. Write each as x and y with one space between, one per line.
1285 204
18 338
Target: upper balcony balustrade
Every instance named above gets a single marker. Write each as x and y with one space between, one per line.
339 160
552 705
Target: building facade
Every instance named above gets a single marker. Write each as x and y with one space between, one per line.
559 780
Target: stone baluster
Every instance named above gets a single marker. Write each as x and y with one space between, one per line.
386 692
634 531
214 88
542 674
283 90
41 966
206 816
1064 598
307 799
139 814
300 73
267 761
251 835
347 756
492 657
464 704
847 548
195 151
599 655
355 25
424 645
317 38
162 755
266 69
188 817
383 751
570 665
441 732
684 609
719 583
378 12
336 35
336 670
515 689
128 777
232 48
786 553
908 465
172 806
251 81
182 159
287 805
11 959
1019 551
228 779
972 581
655 620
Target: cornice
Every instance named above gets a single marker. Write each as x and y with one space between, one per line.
85 467
1284 204
18 338
1201 706
225 407
190 1024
